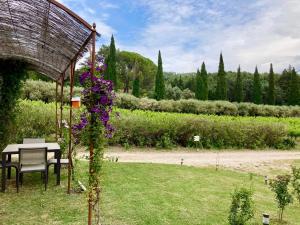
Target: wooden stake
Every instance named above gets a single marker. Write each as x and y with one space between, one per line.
56 112
91 141
72 68
61 104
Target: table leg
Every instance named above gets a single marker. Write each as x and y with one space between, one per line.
58 168
3 172
9 168
55 166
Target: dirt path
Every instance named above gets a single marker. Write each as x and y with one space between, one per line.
261 162
254 161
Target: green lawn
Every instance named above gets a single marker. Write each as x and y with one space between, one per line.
140 194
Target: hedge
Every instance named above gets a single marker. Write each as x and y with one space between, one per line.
145 128
38 90
45 91
165 130
206 107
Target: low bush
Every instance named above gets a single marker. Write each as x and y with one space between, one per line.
296 182
146 128
279 186
206 107
38 90
165 130
242 207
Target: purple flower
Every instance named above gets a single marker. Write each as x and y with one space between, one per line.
83 77
95 110
98 97
96 89
104 100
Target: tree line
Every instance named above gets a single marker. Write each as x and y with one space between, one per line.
130 71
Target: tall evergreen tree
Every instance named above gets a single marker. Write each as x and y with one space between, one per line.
180 83
111 63
198 85
221 93
204 89
256 88
136 87
238 92
294 93
271 88
159 92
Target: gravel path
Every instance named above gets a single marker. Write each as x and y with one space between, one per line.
260 162
230 159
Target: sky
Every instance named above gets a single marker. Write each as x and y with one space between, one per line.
188 32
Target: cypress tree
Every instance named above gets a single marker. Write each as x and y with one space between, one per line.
159 92
111 63
238 92
180 83
204 88
221 83
106 73
256 88
271 88
198 85
136 87
293 93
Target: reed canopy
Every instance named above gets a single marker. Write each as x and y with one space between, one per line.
45 34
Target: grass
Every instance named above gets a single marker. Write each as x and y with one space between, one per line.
141 194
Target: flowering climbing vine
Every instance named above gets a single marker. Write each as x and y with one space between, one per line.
94 125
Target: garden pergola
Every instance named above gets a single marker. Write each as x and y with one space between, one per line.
50 38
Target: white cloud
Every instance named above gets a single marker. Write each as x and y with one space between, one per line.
108 5
190 31
92 15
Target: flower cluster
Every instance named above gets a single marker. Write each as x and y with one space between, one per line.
98 96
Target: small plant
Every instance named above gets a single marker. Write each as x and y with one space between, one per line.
242 207
296 182
279 185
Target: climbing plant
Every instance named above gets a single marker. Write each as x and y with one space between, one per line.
12 72
94 125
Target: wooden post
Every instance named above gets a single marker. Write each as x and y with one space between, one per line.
90 211
61 103
72 68
56 112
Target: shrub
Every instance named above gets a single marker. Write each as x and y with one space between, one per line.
242 209
296 182
173 92
180 129
206 107
11 75
279 185
38 90
187 94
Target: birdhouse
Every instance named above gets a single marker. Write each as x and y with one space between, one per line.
75 102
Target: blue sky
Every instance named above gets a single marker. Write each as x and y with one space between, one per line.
248 32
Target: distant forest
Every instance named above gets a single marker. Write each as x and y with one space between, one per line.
135 74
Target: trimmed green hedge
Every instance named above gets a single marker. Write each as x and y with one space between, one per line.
206 107
45 91
165 130
145 128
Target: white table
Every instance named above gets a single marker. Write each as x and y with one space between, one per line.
14 149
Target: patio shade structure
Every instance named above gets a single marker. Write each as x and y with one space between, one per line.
50 38
43 33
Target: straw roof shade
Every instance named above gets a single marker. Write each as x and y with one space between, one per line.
43 33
